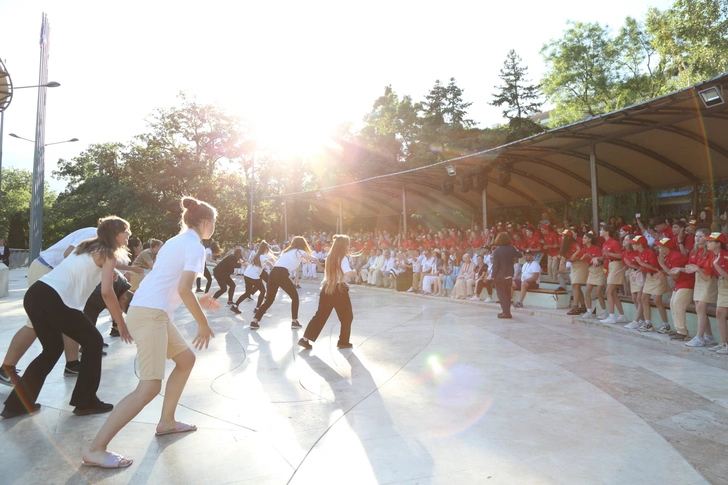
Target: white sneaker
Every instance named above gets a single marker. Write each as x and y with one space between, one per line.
715 348
723 350
709 340
621 319
696 342
633 324
475 298
665 328
646 327
489 300
603 315
608 320
410 290
588 315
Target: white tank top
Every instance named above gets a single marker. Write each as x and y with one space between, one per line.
74 279
290 260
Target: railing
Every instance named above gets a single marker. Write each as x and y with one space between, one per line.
19 258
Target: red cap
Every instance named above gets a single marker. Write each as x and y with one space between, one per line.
568 232
666 242
637 240
717 236
625 228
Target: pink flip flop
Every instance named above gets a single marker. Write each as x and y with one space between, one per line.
112 460
181 428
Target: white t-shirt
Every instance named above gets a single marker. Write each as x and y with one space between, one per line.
54 254
529 269
74 279
253 271
345 268
160 288
290 260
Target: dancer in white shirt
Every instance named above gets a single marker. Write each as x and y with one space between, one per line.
168 285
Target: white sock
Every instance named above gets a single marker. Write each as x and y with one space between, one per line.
611 315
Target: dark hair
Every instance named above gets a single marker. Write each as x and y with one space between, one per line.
592 238
105 241
263 248
566 245
195 211
133 242
502 239
610 230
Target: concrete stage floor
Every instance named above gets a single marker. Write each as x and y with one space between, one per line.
433 392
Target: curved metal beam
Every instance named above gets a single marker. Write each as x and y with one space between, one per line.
540 181
553 166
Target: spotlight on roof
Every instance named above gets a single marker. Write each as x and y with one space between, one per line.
319 195
451 170
713 96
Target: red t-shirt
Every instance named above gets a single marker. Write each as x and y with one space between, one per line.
478 242
628 257
698 257
612 246
648 256
590 252
688 242
534 243
676 259
572 250
723 262
551 238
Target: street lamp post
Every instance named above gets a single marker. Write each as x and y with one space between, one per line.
36 235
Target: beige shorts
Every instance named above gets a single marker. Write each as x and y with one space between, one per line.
36 270
616 275
597 276
722 293
655 286
157 339
579 272
135 279
705 291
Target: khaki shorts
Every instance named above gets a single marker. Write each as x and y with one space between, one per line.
613 278
655 286
597 276
157 339
36 270
722 293
705 291
579 272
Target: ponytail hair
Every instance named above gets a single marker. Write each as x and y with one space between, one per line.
194 212
105 241
332 272
263 248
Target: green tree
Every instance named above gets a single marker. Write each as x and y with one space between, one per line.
581 72
15 195
691 38
520 98
640 74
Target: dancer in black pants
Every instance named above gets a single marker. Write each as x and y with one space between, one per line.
254 276
503 259
289 261
54 305
222 273
212 250
334 296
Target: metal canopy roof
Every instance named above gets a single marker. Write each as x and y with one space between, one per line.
667 142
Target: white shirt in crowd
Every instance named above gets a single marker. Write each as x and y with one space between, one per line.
428 264
54 254
160 288
529 269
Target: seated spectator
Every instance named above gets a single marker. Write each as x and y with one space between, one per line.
530 277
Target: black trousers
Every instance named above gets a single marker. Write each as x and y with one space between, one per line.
208 277
251 287
51 319
338 301
279 279
503 290
226 283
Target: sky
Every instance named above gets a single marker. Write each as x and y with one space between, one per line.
296 69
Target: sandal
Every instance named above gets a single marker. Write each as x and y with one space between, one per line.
112 460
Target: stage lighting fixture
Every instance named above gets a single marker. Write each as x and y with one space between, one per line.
713 96
319 196
481 181
466 184
450 170
447 188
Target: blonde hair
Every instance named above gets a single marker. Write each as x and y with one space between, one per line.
332 272
105 241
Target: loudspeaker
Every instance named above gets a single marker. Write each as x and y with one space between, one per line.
466 183
448 188
481 181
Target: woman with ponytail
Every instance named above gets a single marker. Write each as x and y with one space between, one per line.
334 296
252 276
55 304
180 261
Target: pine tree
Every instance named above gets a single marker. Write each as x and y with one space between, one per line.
520 98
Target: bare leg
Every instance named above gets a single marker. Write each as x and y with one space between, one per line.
19 345
721 313
646 309
701 308
184 362
661 307
588 297
600 297
122 414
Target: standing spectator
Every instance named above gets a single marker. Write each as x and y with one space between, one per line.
612 254
570 252
717 267
655 284
4 253
503 259
551 245
706 289
673 264
592 255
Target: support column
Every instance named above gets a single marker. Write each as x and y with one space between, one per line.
594 190
285 221
404 211
484 203
341 217
696 201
